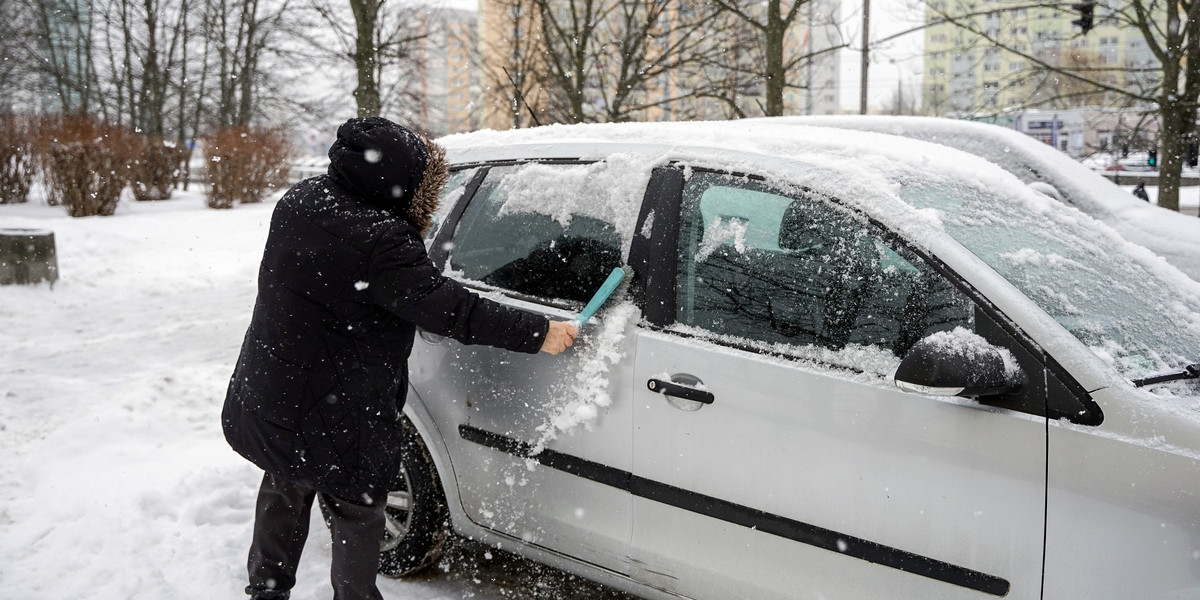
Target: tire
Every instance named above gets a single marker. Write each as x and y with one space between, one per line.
417 522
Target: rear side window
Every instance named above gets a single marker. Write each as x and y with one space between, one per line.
522 233
795 271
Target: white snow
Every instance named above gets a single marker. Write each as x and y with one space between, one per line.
610 191
115 480
588 393
971 347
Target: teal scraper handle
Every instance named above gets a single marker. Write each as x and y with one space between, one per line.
602 294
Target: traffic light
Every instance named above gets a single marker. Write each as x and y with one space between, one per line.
1152 158
1086 10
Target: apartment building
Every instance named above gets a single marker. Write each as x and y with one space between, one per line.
447 73
968 74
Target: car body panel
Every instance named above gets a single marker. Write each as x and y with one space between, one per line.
929 479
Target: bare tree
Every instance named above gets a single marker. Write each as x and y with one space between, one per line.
240 31
515 50
617 60
380 40
17 31
1170 82
771 21
62 50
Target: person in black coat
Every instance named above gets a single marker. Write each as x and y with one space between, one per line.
316 395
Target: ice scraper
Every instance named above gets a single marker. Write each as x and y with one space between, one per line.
602 294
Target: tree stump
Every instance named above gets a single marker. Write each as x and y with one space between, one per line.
27 256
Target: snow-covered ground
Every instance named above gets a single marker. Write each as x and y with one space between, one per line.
115 480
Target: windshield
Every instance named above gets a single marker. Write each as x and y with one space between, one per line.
1127 312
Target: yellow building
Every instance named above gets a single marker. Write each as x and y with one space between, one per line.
996 69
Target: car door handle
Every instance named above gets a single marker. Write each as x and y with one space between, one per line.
670 388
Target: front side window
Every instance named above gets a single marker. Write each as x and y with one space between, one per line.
521 233
796 274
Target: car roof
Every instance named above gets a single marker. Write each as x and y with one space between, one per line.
854 152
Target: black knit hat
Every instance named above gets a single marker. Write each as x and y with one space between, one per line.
389 166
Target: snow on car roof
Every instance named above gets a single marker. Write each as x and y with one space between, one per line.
1168 233
854 153
851 165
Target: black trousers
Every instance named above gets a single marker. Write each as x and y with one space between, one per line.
281 527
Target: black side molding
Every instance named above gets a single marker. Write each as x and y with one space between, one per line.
745 516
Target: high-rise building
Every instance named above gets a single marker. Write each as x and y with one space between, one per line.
448 73
969 74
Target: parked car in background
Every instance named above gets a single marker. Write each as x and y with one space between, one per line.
1171 235
844 365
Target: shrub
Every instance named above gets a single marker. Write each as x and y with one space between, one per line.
155 169
86 162
243 163
16 159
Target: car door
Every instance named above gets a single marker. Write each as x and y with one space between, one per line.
518 427
772 455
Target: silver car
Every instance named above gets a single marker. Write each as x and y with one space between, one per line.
1170 234
843 365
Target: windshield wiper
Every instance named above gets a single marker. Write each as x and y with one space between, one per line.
1191 371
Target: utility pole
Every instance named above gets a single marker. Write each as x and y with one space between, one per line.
866 56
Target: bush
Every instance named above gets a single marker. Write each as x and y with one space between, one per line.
16 159
87 163
243 163
155 169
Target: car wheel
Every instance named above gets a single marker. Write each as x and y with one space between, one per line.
417 522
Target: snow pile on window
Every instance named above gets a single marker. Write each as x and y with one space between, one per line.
610 190
588 393
720 232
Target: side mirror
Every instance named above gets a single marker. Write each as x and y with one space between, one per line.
958 363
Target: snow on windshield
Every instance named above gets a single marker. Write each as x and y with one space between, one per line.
1126 308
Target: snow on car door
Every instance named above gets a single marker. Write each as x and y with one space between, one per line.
521 240
773 457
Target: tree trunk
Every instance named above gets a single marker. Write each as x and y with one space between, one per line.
366 57
1175 131
774 74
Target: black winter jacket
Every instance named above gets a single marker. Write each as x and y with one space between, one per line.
316 395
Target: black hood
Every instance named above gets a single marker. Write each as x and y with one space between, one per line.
389 166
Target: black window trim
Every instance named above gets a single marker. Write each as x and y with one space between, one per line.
661 309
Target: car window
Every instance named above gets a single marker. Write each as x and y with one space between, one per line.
530 247
1132 312
455 186
795 271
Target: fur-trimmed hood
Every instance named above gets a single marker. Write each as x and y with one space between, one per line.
390 166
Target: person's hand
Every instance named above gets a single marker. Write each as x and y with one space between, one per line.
560 335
